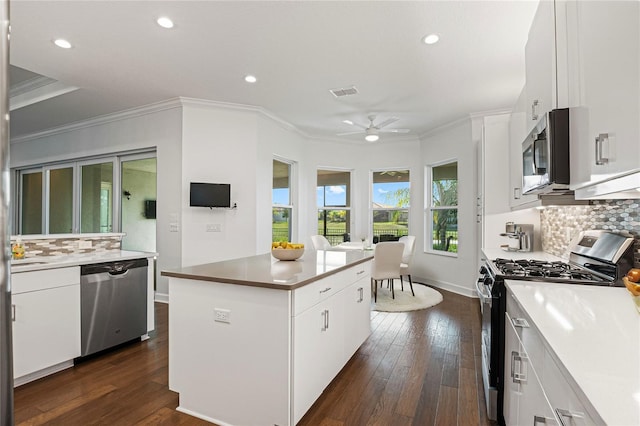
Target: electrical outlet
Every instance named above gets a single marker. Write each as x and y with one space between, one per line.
173 227
84 244
222 315
214 227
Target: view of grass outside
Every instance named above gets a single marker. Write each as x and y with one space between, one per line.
444 207
391 192
333 199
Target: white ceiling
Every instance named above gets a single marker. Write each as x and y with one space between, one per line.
298 50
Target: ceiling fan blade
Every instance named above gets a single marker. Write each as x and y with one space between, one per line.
395 131
349 133
351 123
387 122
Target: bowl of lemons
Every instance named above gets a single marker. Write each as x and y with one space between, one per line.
284 250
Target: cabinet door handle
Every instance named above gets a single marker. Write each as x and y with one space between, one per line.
13 313
520 322
325 290
361 292
519 376
534 108
539 419
326 318
562 413
600 160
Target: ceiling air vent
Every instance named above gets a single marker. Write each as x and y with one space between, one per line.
344 92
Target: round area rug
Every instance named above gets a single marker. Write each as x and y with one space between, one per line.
404 301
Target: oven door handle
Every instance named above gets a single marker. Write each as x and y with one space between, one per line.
481 293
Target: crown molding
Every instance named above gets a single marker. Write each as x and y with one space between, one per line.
103 119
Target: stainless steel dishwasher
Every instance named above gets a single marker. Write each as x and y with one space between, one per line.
113 303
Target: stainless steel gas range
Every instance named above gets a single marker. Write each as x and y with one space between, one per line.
596 258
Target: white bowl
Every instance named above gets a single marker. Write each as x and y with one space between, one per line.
287 254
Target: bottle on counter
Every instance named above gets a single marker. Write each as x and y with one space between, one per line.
17 250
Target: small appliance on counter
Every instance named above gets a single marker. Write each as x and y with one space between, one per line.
520 237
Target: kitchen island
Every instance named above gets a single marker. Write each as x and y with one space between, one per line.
256 340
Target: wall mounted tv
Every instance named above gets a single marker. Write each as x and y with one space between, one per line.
150 209
210 195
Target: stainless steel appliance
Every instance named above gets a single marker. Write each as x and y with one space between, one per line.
520 237
113 304
545 154
597 258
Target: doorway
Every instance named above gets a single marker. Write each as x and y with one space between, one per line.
138 202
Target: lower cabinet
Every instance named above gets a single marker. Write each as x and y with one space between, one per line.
46 319
536 391
525 401
327 335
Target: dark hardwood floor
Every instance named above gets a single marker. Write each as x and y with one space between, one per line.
419 368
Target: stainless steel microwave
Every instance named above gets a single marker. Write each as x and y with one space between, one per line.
545 154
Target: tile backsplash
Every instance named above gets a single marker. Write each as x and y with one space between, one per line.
560 224
68 244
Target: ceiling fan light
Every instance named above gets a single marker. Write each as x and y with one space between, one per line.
371 138
349 122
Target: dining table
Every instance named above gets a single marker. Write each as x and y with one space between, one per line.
354 245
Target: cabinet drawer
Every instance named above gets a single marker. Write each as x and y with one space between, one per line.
527 333
22 282
311 294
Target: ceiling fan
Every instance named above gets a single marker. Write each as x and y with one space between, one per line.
372 131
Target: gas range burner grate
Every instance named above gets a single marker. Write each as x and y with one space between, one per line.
543 270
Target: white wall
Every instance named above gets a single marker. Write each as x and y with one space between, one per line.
459 273
158 128
361 159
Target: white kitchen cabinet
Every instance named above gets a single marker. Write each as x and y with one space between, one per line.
540 64
357 305
495 164
280 349
525 401
604 59
46 321
318 338
537 390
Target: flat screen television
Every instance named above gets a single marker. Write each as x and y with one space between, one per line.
210 195
150 209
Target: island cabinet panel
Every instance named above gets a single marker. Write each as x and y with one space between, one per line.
46 321
278 352
235 373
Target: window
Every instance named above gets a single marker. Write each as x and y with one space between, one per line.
81 196
442 210
390 204
333 201
282 205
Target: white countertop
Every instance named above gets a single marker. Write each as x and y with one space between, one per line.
50 262
494 253
595 333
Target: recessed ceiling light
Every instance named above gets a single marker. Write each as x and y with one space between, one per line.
371 138
431 39
62 43
165 22
250 78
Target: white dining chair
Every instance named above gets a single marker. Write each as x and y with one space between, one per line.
320 242
409 242
387 258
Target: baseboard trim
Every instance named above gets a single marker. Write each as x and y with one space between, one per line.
454 288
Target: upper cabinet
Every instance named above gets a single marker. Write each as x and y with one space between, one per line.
545 68
603 65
